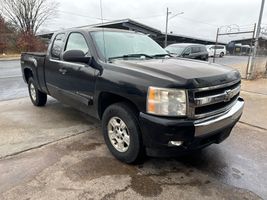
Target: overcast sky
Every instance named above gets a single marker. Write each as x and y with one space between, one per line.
200 18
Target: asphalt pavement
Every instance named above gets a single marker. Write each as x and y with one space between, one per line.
230 60
11 83
56 152
238 62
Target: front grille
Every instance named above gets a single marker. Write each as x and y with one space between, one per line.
219 90
213 107
204 102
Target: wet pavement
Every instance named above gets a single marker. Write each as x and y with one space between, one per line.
82 168
56 152
11 83
61 155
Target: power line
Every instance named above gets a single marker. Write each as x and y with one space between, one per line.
86 16
109 19
197 21
147 17
135 18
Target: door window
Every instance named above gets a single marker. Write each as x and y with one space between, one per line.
219 47
203 49
187 51
57 45
76 41
195 49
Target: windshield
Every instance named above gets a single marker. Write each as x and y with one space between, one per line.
120 44
178 50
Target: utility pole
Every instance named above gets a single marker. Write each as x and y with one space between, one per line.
216 42
167 21
166 29
253 63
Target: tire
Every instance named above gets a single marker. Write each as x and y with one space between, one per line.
221 54
38 98
122 113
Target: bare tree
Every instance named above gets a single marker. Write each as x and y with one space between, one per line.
28 15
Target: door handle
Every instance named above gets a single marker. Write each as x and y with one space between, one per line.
62 71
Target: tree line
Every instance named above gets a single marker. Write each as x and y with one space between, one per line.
20 20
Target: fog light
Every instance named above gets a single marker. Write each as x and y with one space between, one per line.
175 143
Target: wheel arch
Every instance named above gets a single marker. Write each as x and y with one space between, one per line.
106 99
27 74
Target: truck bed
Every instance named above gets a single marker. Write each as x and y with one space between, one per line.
35 62
41 54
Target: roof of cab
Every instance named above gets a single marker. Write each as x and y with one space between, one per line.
94 29
186 44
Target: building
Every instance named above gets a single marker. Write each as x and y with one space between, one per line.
243 46
157 35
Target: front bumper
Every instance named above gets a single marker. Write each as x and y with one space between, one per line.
157 131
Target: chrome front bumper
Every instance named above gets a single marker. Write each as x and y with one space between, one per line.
209 125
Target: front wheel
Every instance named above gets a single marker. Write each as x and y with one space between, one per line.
38 98
221 54
121 132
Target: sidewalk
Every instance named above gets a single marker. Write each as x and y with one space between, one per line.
257 86
7 58
255 96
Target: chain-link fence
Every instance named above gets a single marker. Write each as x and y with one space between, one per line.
239 44
260 67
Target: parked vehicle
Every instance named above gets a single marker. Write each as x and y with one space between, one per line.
148 102
220 50
188 50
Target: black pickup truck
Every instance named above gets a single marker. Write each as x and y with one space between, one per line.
149 102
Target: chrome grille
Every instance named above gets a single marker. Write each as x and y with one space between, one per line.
205 102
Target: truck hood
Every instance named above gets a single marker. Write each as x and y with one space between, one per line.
182 72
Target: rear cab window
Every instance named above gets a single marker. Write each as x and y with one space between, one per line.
57 46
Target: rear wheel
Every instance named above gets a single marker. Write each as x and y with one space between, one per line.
38 98
221 54
121 132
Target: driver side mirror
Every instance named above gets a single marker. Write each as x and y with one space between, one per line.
75 56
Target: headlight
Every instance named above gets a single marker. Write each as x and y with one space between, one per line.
167 102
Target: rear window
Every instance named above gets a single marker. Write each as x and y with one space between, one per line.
57 45
217 47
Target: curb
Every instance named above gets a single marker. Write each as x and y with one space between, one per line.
9 59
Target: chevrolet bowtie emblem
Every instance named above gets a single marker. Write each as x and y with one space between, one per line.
228 95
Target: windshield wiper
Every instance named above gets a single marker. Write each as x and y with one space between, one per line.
160 55
131 55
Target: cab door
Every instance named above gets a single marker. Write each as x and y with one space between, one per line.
53 66
79 78
195 52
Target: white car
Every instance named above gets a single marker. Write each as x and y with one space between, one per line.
220 50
